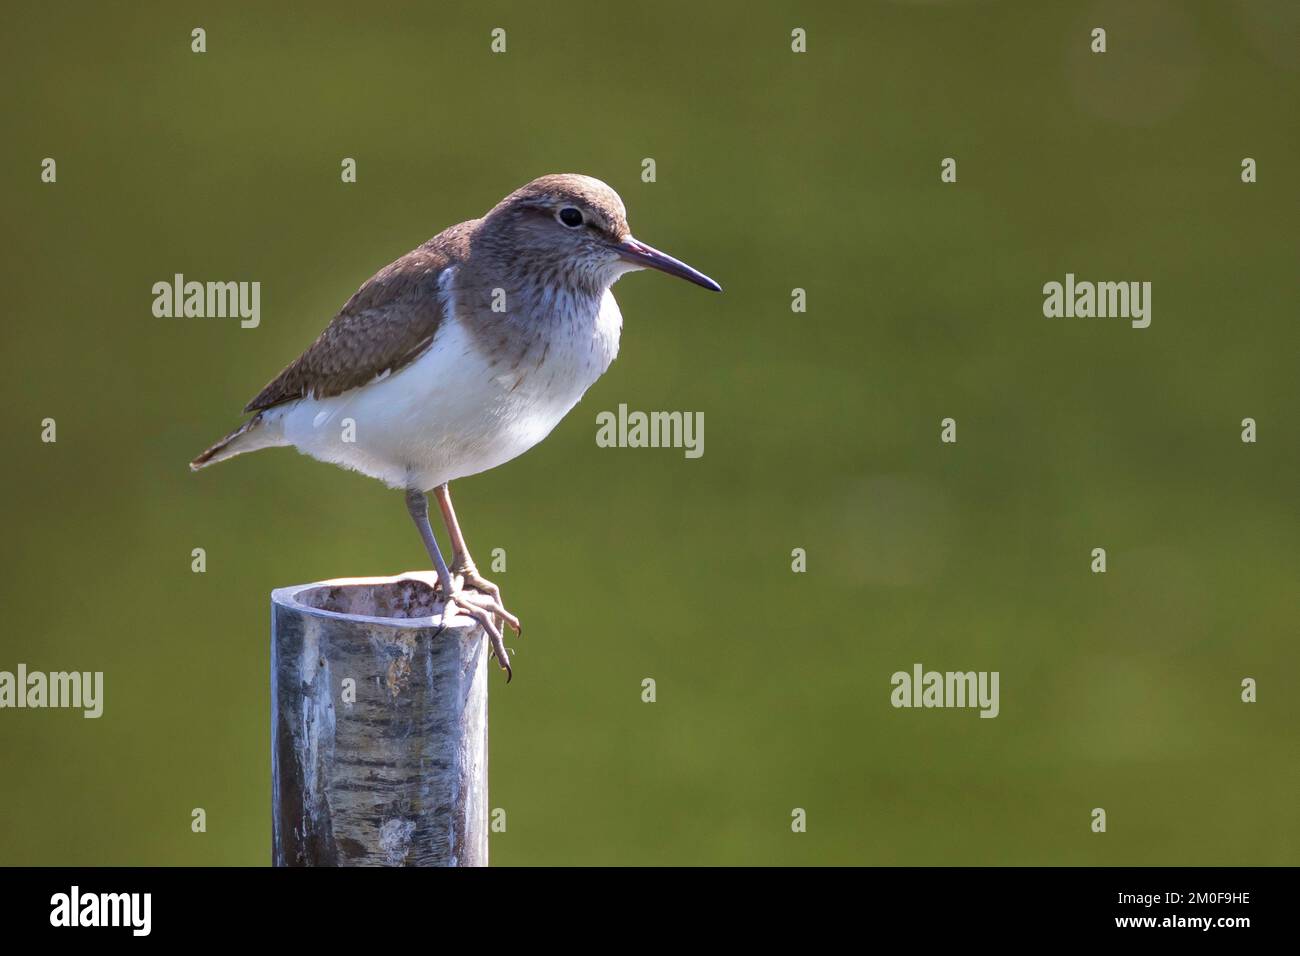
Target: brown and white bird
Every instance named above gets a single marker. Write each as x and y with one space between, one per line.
461 355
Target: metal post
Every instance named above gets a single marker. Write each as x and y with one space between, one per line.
378 726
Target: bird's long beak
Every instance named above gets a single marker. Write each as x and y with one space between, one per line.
638 253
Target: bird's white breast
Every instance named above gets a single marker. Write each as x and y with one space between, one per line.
452 412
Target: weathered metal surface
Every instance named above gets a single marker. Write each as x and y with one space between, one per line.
395 773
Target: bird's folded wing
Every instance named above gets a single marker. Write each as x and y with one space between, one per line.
386 324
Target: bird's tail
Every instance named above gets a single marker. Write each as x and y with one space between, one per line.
250 436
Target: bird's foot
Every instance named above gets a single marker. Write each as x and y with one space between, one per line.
488 595
488 621
481 600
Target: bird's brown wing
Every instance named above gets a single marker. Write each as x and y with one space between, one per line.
385 326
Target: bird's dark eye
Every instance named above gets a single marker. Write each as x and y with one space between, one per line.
571 217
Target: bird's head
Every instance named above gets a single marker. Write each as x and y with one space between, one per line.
577 225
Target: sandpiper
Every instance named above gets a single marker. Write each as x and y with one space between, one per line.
461 355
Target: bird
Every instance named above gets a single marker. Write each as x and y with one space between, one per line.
458 357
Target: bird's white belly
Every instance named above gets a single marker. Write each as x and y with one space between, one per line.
451 413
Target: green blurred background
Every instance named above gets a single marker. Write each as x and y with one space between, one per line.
775 171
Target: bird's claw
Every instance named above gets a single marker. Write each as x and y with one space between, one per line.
487 621
489 595
481 600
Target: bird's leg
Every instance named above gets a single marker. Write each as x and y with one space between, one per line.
463 565
418 505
